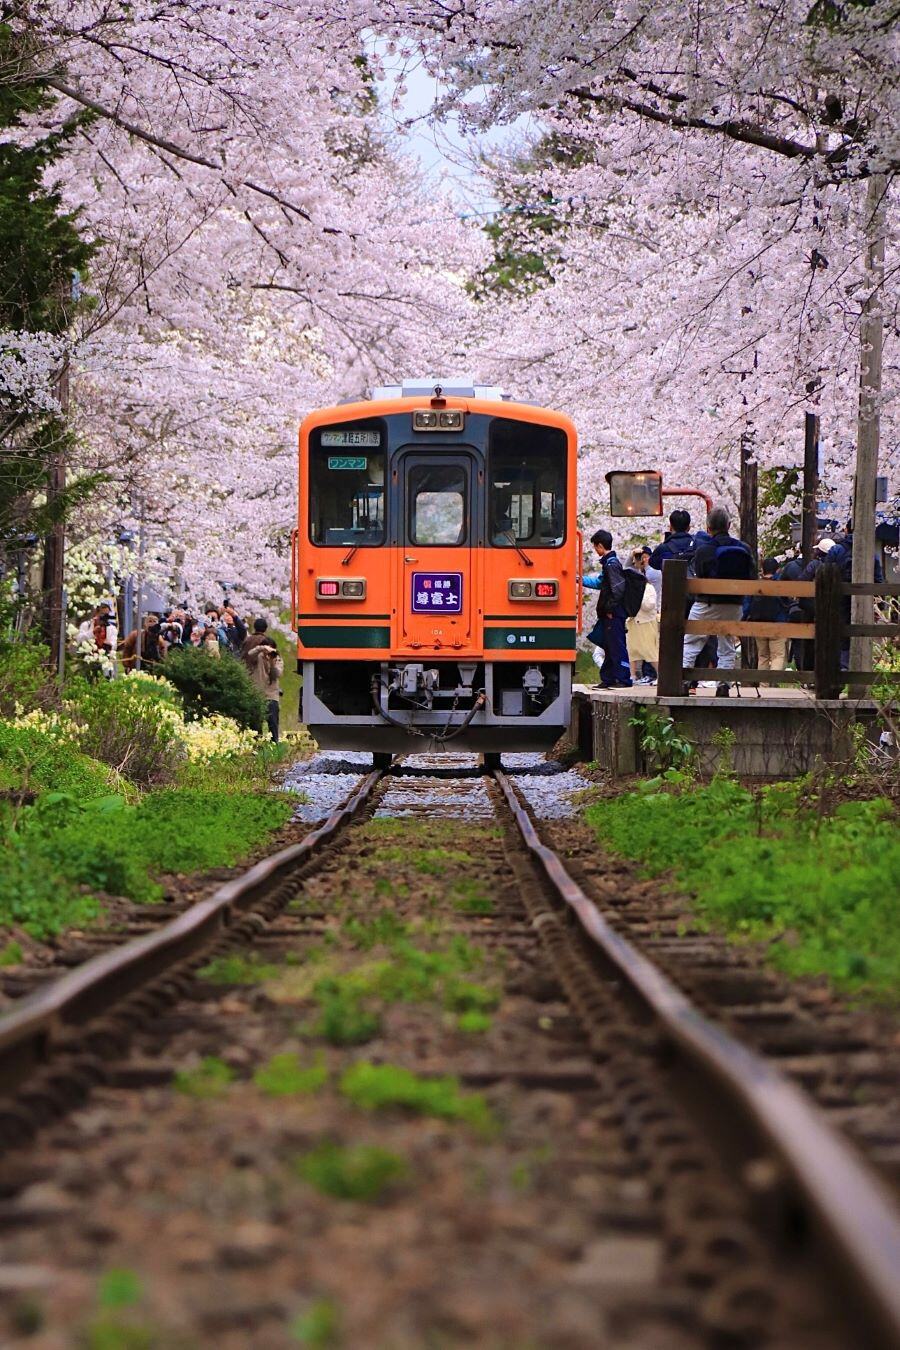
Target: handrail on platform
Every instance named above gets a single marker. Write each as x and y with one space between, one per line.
827 628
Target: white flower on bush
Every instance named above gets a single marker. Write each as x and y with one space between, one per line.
53 725
219 737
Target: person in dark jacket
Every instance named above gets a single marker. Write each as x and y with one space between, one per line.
678 543
235 628
609 630
772 651
722 557
825 551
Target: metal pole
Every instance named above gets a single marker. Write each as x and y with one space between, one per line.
871 341
810 502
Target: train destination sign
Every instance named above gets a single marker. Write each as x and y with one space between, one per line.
437 592
346 437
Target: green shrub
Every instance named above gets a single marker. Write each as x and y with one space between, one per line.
363 1172
211 685
211 1078
821 890
124 726
38 761
25 677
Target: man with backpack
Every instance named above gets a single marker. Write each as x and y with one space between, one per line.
724 558
621 591
678 543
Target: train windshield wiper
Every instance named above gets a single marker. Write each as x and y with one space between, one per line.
529 562
345 560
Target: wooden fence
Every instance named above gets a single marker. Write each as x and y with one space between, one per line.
828 631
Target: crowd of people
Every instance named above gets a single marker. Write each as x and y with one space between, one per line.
626 633
218 630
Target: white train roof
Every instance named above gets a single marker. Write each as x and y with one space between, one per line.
458 386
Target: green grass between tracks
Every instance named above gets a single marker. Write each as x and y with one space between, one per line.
770 865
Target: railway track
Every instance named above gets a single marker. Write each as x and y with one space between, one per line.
769 1228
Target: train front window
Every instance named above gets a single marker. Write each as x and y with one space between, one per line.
437 497
346 487
527 485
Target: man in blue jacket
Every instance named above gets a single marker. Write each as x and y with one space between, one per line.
678 543
609 630
721 557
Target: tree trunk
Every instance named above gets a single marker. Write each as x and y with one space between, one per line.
55 541
871 339
810 501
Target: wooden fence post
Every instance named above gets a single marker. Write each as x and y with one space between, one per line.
828 632
671 628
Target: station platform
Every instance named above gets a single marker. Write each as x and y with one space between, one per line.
778 733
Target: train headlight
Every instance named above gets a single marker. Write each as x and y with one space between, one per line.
533 590
450 419
340 588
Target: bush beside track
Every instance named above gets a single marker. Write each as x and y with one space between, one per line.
107 786
818 883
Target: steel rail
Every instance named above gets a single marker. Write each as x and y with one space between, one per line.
38 1023
856 1221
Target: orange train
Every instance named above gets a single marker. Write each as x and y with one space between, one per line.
436 584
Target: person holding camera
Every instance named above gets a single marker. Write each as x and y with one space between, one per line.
260 655
153 646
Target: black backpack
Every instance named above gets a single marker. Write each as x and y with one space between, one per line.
635 585
732 562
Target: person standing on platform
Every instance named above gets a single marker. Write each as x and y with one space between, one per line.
609 630
771 651
643 630
721 558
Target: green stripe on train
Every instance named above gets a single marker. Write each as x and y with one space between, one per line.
529 639
335 635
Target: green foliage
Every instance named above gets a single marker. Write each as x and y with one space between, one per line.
63 842
363 1172
780 503
237 968
319 1327
123 727
31 760
820 889
468 897
24 676
211 1078
210 685
662 742
473 1022
383 929
12 954
284 1076
343 1017
376 1087
119 1288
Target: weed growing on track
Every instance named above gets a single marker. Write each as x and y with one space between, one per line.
211 1078
237 968
768 865
319 1327
473 1022
376 1087
362 1172
284 1076
343 1019
468 897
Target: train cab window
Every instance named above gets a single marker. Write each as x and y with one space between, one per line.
437 504
346 487
527 485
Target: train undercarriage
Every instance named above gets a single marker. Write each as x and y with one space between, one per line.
398 705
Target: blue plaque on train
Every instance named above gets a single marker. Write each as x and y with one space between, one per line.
437 592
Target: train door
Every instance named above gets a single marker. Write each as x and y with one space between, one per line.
436 604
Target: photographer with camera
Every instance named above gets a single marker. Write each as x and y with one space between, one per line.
153 646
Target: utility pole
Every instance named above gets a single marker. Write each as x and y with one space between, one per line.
871 342
809 510
749 520
55 540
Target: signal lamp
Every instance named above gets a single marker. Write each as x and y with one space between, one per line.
328 588
533 590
